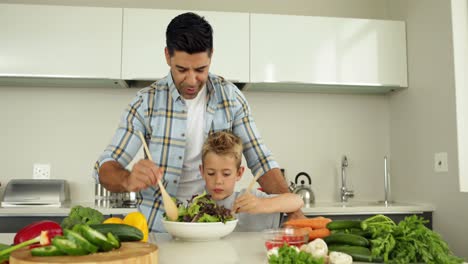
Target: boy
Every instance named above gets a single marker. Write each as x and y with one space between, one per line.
221 169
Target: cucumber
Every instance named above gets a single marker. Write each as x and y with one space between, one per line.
358 253
355 231
347 239
122 232
343 224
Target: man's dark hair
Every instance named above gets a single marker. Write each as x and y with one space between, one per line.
189 32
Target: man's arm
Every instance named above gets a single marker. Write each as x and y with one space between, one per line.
115 178
272 182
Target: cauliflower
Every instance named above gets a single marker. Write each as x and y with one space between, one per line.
273 251
340 258
317 248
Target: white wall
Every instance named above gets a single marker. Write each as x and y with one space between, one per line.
423 121
69 128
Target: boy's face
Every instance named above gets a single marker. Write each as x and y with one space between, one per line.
220 173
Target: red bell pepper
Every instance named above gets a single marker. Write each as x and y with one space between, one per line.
34 230
43 239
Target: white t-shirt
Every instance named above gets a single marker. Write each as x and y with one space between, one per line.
191 182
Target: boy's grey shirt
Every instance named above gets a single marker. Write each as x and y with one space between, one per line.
252 222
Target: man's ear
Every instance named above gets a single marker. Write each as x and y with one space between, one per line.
240 172
168 56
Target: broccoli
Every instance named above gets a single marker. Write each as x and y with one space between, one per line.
82 215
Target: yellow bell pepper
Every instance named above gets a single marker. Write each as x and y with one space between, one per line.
113 220
138 220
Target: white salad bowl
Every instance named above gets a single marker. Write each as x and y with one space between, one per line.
199 231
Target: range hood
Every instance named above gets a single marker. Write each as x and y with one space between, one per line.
285 87
38 81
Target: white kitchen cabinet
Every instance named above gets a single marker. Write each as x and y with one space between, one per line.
327 51
60 41
144 40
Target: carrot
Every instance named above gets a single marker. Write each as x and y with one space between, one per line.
314 223
319 233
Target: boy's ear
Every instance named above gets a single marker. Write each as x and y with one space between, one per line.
240 172
201 170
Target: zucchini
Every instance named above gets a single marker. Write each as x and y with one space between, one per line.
122 232
358 253
343 224
347 239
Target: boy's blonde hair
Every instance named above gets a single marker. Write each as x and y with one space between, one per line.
223 143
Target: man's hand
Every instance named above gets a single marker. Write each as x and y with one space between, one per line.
248 203
143 175
115 178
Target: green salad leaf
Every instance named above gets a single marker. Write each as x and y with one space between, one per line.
289 254
201 208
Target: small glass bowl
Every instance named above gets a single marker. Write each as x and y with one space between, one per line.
290 236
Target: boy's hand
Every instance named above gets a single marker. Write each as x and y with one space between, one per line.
248 203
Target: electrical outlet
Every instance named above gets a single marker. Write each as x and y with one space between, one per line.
41 171
440 162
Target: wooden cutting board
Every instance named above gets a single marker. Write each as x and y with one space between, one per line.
128 253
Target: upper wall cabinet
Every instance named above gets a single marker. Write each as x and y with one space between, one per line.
328 51
60 41
144 40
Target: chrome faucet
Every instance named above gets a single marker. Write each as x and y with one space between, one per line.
345 193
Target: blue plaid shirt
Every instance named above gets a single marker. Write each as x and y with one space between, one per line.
161 114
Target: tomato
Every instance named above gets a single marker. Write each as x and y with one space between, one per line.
279 241
272 244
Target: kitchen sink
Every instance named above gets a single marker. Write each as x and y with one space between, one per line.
361 204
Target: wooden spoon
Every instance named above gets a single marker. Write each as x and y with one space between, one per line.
254 180
249 188
171 208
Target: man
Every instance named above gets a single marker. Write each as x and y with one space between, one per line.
176 114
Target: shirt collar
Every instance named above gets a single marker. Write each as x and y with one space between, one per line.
176 95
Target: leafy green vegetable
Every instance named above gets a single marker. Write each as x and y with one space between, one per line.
289 254
381 228
82 215
201 208
408 242
417 243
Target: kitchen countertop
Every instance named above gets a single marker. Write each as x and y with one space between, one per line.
319 208
238 247
59 211
364 207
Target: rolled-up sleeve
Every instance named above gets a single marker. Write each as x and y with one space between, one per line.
259 158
